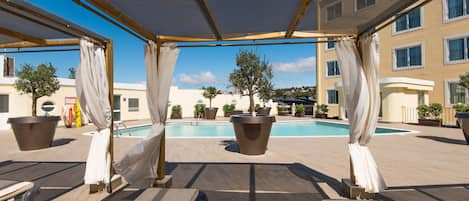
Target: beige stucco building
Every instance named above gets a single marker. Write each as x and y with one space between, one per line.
421 57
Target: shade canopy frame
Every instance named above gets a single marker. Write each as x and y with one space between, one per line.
126 17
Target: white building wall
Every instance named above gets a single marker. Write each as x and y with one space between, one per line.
20 104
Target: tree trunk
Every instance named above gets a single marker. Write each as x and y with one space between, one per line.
210 103
251 102
33 113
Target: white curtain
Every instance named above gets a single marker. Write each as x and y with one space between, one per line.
139 165
93 93
362 100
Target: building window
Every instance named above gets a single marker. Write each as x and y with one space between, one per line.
133 104
334 11
457 49
361 4
332 97
457 8
330 45
408 57
421 97
456 93
4 103
333 68
408 22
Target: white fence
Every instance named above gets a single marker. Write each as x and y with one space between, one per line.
410 115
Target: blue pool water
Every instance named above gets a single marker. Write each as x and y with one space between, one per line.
280 129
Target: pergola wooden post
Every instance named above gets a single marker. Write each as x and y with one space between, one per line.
60 33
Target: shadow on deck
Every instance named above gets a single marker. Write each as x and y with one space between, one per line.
221 181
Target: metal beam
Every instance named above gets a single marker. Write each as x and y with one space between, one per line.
256 44
121 17
300 12
47 43
203 4
22 36
48 21
110 20
39 51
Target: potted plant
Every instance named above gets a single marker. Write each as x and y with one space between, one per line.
463 113
35 132
265 94
199 110
321 111
176 112
252 131
210 93
282 110
299 110
228 109
429 115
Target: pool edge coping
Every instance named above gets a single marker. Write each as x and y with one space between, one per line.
406 131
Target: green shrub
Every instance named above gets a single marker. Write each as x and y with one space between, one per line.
432 111
176 110
282 108
228 108
256 108
199 109
461 107
436 109
321 109
300 108
422 111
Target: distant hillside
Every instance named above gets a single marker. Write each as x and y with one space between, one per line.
307 92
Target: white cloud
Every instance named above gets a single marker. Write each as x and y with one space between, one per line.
300 65
198 78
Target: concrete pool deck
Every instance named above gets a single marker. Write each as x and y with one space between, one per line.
433 156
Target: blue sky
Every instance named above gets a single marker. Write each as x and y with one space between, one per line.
294 65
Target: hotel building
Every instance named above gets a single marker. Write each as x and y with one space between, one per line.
422 55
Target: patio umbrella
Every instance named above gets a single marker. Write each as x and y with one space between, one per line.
361 94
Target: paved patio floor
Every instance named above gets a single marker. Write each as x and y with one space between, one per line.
432 163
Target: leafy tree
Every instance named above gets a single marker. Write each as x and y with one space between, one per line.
210 93
40 81
464 80
252 75
266 92
72 73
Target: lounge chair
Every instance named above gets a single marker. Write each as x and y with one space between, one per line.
15 190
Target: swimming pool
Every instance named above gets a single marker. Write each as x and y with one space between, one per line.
279 129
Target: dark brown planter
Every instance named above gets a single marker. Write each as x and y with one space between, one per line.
227 114
176 116
211 113
33 133
321 116
463 120
430 122
264 110
237 112
283 113
299 114
252 133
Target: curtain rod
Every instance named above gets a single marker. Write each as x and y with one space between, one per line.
256 44
37 51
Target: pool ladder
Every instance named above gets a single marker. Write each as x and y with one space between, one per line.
117 127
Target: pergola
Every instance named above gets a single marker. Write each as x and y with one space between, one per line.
25 28
213 23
